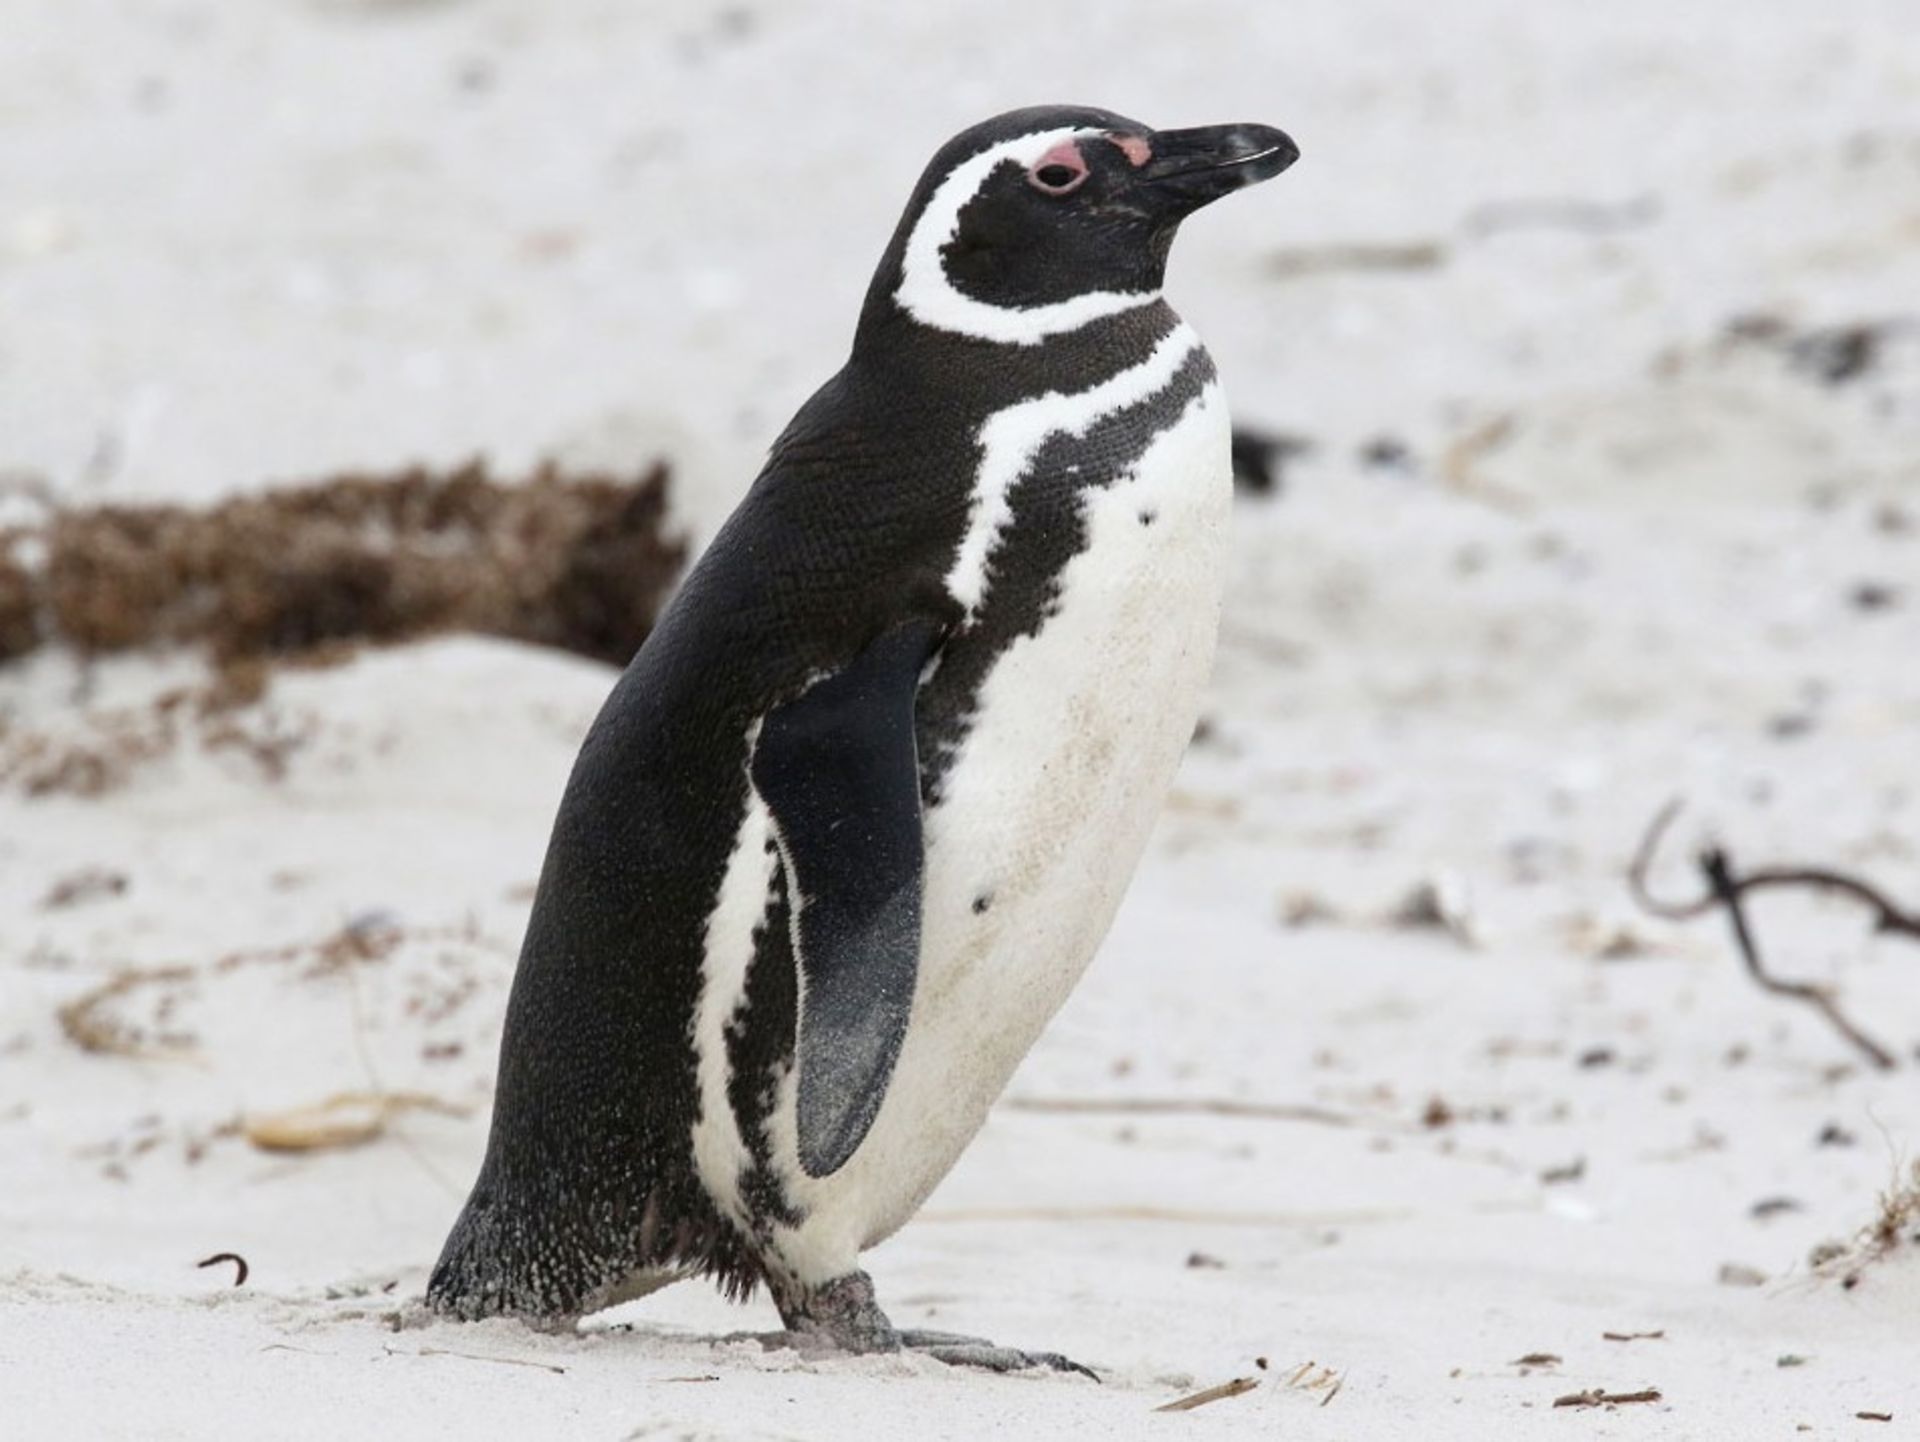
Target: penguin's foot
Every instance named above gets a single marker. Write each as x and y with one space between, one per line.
958 1351
844 1316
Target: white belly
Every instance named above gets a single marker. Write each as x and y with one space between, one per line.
1047 808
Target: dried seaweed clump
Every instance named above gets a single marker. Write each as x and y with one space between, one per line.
1895 1228
581 563
19 627
1897 1219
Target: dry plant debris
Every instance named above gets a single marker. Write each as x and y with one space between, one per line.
1832 355
1589 217
304 576
1727 890
95 1022
1573 1171
345 1119
553 1367
79 887
1441 902
19 620
1363 256
581 563
1460 463
1233 1388
1899 1210
111 746
1312 1377
239 1262
1193 1106
1597 1397
88 1024
1895 1223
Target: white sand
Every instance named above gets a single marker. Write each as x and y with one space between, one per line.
242 243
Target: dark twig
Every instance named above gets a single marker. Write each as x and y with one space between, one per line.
1726 891
239 1265
1643 861
1887 917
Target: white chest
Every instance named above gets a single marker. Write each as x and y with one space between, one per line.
1044 810
1044 815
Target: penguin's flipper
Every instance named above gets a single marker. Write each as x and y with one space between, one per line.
838 769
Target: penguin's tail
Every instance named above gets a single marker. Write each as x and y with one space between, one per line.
531 1256
477 1275
509 1255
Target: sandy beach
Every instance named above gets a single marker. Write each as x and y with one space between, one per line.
1595 335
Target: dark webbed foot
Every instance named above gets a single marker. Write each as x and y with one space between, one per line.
959 1351
843 1314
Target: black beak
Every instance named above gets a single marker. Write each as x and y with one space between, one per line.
1192 167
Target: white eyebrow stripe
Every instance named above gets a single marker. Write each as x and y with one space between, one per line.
929 297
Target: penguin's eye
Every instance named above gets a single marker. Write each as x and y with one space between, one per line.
1061 171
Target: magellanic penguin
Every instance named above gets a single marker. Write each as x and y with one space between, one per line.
853 822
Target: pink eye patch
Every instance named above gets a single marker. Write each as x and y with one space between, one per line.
1060 170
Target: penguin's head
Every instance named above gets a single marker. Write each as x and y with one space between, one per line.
1040 220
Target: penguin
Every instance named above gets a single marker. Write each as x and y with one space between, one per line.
853 822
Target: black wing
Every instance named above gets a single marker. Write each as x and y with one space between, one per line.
840 773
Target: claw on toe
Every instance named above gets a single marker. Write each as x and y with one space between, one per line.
959 1351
